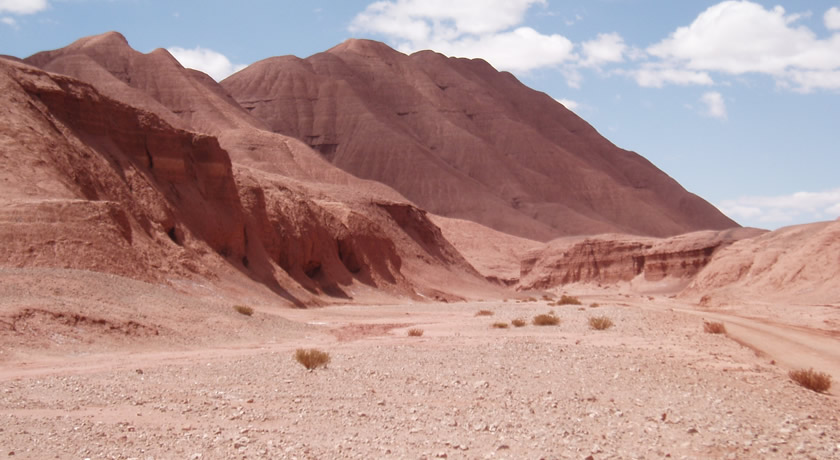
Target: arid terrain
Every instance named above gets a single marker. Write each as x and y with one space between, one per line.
169 242
654 385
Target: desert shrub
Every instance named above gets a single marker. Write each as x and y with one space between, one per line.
415 332
484 313
812 380
600 323
546 320
518 322
500 325
714 328
247 311
568 300
594 305
548 297
312 358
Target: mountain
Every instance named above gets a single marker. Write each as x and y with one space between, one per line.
463 140
182 182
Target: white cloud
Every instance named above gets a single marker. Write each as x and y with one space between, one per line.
521 49
206 60
784 209
9 22
739 37
23 6
715 105
832 18
467 28
569 104
607 48
656 76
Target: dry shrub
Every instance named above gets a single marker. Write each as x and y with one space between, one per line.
546 320
518 322
247 311
600 323
568 300
594 305
714 327
500 325
415 332
312 358
812 380
548 297
484 313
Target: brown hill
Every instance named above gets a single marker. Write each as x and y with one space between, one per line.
798 265
92 183
651 264
463 140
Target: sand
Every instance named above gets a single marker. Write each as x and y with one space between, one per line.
652 386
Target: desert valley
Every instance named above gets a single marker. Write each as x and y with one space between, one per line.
489 275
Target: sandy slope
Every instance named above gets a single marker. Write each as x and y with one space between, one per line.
652 386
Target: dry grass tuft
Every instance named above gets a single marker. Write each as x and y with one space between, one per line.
500 325
812 380
518 322
568 300
600 323
546 320
312 358
594 305
484 313
415 332
714 328
247 311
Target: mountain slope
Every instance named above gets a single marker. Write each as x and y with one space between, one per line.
463 140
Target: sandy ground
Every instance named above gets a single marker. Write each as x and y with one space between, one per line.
653 386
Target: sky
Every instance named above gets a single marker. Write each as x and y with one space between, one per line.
739 101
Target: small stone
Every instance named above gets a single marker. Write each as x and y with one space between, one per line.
692 431
241 442
139 371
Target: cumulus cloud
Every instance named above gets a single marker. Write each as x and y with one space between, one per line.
740 37
652 75
832 18
569 104
9 22
715 105
212 63
606 48
784 209
467 28
22 6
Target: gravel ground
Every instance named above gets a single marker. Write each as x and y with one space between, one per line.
652 386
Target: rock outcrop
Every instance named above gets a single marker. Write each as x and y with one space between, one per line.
611 259
93 183
463 140
798 264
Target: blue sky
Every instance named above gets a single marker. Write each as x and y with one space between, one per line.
739 101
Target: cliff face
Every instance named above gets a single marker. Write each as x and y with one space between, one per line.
463 140
610 259
799 264
94 183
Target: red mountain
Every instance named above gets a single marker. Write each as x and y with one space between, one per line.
463 140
